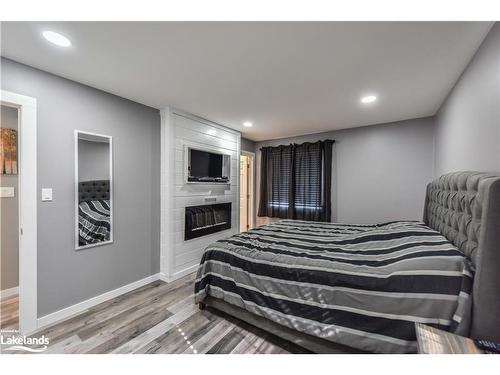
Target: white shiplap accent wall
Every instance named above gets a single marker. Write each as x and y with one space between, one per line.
179 129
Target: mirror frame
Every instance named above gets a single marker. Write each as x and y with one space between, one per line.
111 195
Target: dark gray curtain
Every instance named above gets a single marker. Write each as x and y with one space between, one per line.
295 181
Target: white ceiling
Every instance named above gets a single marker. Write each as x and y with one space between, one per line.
288 78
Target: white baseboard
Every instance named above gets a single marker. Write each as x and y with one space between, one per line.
80 307
178 274
164 277
7 293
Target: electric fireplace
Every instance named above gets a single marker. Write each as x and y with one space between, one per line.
206 219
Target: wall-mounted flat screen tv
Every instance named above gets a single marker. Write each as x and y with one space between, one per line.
205 166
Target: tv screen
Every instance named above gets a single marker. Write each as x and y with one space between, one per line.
205 164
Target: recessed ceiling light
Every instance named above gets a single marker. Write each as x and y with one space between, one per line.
247 124
56 38
368 99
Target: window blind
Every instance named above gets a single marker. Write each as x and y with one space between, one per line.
281 158
308 177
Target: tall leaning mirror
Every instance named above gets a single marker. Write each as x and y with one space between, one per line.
93 189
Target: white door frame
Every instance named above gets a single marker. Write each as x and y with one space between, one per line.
27 173
252 155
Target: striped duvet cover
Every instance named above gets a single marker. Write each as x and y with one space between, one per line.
363 286
94 223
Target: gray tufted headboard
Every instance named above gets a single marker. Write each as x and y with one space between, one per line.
465 208
92 190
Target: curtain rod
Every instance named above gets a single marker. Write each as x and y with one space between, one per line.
298 144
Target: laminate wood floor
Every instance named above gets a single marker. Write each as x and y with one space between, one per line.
160 318
9 313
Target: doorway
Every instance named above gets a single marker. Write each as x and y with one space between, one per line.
9 218
18 206
246 191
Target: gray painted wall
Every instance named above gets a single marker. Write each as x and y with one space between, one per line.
66 276
247 145
93 160
9 257
380 172
468 123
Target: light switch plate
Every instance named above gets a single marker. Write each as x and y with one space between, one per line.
46 194
7 192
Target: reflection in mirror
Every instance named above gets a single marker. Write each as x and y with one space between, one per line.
93 189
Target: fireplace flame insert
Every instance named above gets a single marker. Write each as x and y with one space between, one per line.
206 219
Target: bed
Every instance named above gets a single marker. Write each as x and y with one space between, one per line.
94 224
361 288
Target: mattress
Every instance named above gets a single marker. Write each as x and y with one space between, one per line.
363 286
94 224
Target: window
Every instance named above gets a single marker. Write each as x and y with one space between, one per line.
308 177
280 162
296 181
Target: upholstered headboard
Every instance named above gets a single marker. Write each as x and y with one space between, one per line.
92 190
465 208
